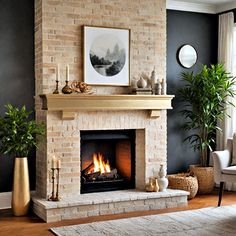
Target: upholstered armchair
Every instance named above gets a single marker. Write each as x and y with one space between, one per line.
224 163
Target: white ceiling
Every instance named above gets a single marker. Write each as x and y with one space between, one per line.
206 6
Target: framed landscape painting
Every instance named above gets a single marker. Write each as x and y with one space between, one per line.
106 56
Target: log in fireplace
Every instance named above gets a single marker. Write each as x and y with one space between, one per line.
107 160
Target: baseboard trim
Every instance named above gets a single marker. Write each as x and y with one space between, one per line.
5 200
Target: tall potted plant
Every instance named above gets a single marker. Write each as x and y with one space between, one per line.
205 97
18 137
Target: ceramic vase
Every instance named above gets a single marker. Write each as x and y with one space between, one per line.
150 185
156 185
153 80
21 188
141 83
162 180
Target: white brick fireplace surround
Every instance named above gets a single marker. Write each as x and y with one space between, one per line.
58 40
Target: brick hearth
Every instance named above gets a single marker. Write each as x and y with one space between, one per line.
107 203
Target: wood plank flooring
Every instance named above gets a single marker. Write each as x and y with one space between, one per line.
31 225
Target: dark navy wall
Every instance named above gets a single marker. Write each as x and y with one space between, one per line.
200 31
16 70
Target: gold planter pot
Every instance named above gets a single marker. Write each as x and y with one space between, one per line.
21 189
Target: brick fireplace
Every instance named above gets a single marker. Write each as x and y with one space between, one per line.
58 40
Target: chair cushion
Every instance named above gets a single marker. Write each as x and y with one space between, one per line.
233 162
231 170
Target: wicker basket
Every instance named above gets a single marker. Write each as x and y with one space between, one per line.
185 182
205 176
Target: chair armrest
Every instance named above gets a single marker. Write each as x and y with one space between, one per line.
221 160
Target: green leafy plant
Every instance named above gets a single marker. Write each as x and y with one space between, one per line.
204 98
18 132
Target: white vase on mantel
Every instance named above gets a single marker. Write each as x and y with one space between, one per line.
162 180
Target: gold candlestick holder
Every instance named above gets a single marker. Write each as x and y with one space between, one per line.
66 89
55 196
56 91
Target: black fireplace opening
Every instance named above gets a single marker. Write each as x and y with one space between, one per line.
107 160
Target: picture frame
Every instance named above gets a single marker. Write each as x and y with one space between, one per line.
106 56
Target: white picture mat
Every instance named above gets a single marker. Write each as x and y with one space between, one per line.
91 76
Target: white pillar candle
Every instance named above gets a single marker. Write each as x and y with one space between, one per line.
54 162
67 73
59 164
58 73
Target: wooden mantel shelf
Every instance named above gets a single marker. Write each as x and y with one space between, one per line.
69 104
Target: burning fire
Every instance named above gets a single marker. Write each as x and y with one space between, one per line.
100 164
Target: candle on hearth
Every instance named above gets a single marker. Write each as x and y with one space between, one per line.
58 73
67 73
58 164
54 162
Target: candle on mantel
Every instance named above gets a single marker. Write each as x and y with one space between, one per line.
58 73
58 164
54 162
67 73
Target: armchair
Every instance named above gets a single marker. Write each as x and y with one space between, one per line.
223 172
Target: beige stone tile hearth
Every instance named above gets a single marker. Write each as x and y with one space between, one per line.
104 203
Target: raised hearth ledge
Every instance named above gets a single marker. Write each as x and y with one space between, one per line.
105 203
69 104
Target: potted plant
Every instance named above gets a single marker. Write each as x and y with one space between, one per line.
205 97
18 137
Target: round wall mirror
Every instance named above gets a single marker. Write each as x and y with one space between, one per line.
187 56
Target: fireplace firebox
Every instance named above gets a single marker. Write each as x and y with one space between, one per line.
107 160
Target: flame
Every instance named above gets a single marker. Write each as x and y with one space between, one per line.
100 165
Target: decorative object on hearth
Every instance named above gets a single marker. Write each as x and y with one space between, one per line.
162 180
18 136
55 167
106 63
56 91
184 181
81 87
204 109
156 186
150 185
67 89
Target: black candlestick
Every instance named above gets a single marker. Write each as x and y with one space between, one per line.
56 91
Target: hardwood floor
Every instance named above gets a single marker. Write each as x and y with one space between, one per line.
31 225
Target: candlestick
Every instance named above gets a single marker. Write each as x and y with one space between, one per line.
67 73
52 197
67 89
58 164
